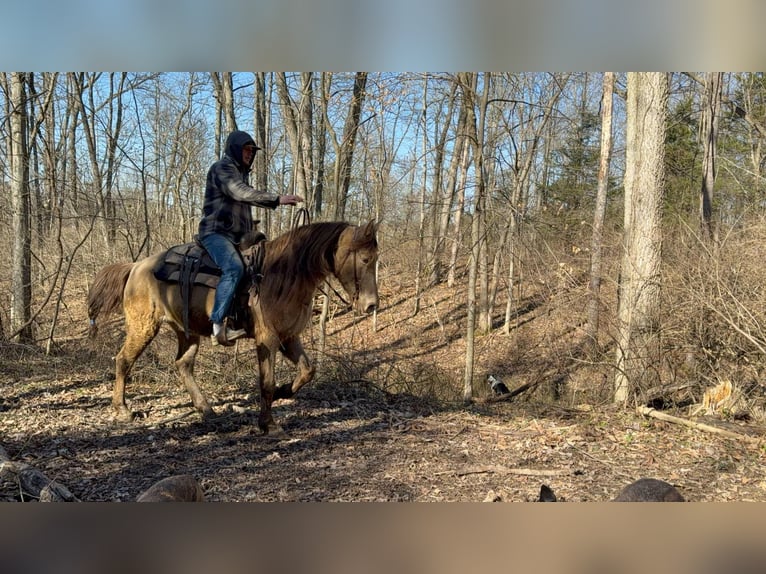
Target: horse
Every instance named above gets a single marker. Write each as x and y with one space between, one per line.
280 303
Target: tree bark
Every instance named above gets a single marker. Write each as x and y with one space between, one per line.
21 284
709 141
298 123
223 83
346 151
321 146
638 344
443 197
594 287
423 190
468 83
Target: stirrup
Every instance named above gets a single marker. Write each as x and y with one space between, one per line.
227 336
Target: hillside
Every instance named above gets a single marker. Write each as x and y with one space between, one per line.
383 420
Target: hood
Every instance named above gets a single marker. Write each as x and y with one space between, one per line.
234 144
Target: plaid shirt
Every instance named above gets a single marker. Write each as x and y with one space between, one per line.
228 195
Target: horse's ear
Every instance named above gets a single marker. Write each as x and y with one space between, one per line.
367 235
371 230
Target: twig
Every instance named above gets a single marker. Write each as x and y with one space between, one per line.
171 419
505 470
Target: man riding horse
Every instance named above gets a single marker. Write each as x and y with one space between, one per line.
227 218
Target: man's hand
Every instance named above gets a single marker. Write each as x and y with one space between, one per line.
290 199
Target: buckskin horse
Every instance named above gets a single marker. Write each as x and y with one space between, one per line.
280 304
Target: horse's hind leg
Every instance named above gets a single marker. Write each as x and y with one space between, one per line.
138 335
187 352
293 350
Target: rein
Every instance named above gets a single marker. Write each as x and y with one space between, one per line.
302 217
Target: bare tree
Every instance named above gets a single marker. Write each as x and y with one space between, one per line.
638 351
81 82
709 140
462 154
599 214
345 148
468 84
317 201
21 284
423 190
223 84
525 146
103 175
70 168
479 228
443 197
50 200
297 117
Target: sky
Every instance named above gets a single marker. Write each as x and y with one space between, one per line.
390 35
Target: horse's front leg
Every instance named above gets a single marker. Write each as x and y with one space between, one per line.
266 356
293 350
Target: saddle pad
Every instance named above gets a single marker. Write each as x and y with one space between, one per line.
170 267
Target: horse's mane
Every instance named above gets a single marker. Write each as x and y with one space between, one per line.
296 261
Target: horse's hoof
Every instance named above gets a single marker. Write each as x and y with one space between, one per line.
209 415
276 432
124 416
272 430
283 392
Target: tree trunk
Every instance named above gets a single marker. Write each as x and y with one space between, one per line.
468 86
443 198
457 233
594 287
51 183
70 167
524 161
638 344
449 199
485 318
297 119
346 152
709 137
112 136
21 284
423 189
321 147
88 123
223 83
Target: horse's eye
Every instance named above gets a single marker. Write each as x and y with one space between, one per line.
365 260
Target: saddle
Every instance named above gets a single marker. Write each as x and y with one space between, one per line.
190 264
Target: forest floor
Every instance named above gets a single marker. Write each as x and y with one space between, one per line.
384 421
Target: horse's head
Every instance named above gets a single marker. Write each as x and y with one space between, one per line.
355 261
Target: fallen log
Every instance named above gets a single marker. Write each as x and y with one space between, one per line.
177 488
33 483
650 412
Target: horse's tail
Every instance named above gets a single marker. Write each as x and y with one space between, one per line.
105 294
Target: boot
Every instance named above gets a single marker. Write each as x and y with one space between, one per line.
223 335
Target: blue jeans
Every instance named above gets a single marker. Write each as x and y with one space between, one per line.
226 256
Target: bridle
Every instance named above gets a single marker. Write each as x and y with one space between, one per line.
355 296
